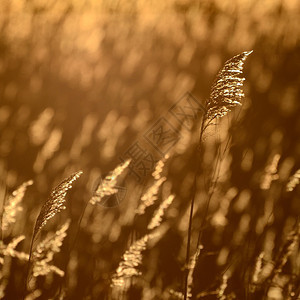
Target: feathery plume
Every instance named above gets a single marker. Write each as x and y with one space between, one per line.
55 203
45 250
13 205
157 218
159 167
9 250
150 196
222 288
256 276
107 186
131 259
293 181
287 249
226 91
191 268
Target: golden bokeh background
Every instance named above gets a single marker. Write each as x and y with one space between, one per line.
81 81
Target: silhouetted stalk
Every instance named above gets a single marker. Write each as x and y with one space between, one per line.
74 242
28 267
194 189
211 188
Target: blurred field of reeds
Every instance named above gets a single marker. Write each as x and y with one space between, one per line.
81 81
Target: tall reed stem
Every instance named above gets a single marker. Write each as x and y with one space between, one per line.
194 189
28 267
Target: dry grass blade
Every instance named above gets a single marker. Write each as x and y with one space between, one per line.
226 91
45 251
191 268
107 186
270 173
55 203
221 290
289 246
13 205
159 167
9 250
131 259
287 249
256 276
293 181
150 196
157 218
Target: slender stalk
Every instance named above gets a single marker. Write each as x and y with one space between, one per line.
204 125
74 242
78 226
211 188
28 267
194 189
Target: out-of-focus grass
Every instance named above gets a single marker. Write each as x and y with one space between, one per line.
81 80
